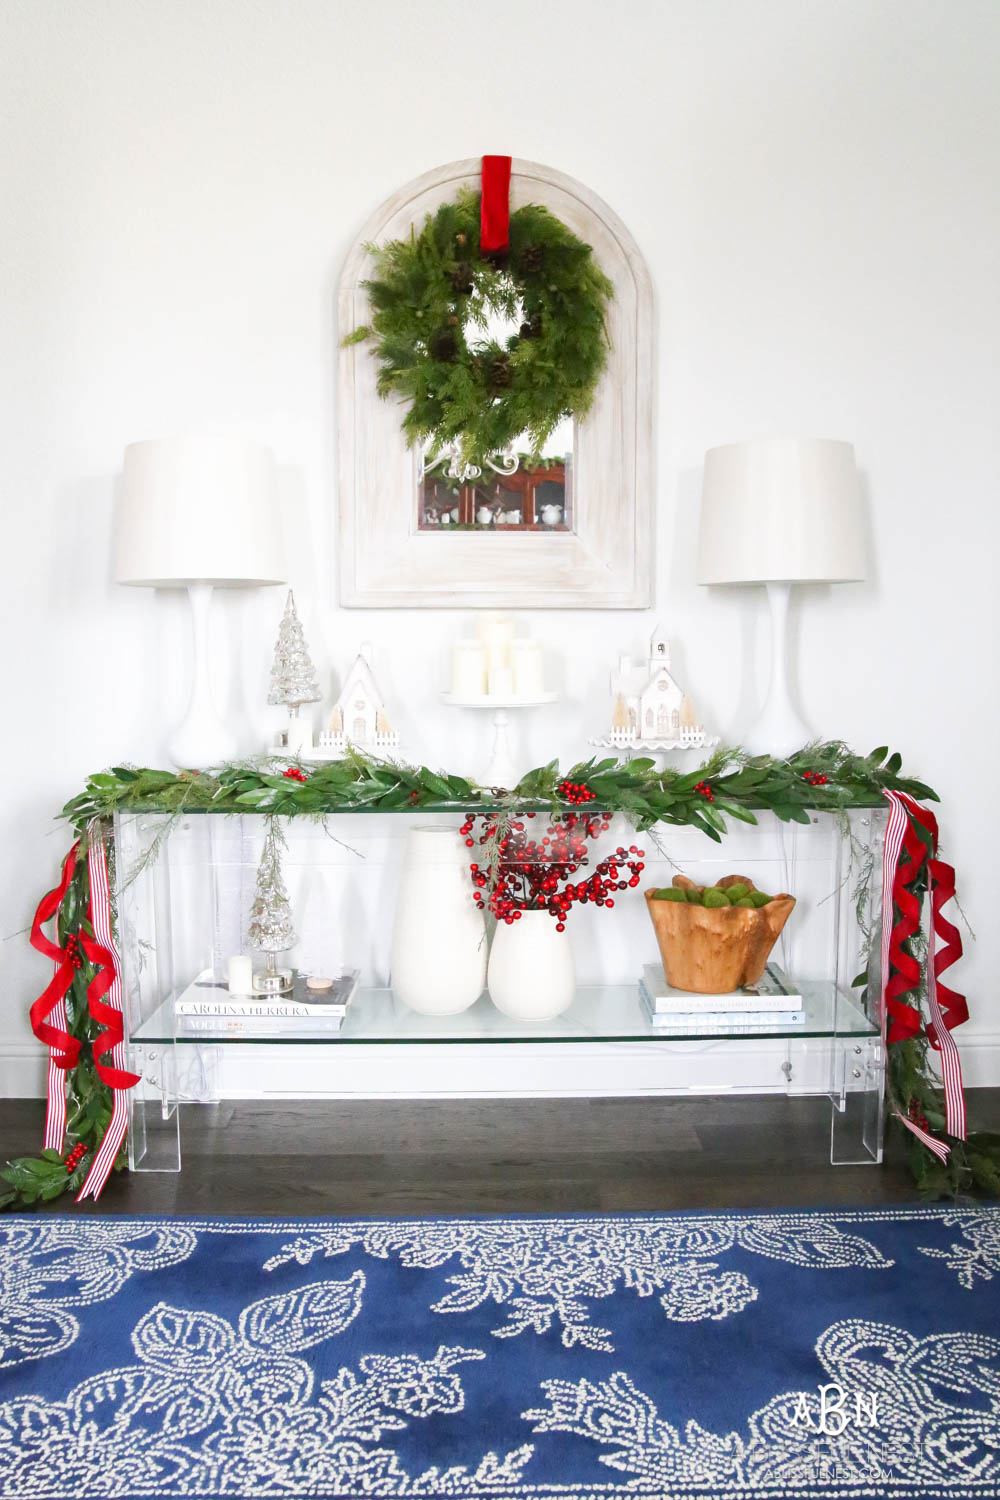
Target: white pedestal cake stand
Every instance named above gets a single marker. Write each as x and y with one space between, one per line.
501 770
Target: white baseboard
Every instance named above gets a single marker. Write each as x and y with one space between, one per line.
22 1070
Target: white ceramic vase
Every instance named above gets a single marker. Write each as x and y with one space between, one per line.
438 937
531 975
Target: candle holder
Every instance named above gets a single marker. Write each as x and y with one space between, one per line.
501 769
273 981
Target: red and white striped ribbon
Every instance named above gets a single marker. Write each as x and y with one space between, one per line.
951 1066
895 828
100 915
900 808
55 1111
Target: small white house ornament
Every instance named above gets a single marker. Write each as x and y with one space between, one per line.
650 711
359 718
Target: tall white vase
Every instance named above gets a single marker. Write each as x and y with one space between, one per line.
438 937
531 976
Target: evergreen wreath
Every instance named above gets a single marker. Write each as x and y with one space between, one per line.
431 292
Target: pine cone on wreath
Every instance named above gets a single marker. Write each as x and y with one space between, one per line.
530 330
444 346
532 260
461 279
498 374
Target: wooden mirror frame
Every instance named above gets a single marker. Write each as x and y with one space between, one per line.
606 561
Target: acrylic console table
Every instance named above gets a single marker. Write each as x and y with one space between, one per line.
186 910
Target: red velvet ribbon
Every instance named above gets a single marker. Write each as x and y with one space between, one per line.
105 1015
64 1048
941 885
494 217
904 1018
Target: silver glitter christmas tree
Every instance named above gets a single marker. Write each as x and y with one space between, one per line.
293 676
270 930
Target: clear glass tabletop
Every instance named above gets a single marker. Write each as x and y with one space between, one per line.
599 1013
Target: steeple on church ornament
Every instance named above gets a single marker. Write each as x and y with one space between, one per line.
650 711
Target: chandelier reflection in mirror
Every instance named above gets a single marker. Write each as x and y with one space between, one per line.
517 492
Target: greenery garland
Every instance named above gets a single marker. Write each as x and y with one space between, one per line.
730 784
431 292
31 1179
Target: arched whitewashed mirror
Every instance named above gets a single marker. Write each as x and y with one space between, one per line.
578 537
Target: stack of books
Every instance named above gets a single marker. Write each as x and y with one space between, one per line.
207 1006
772 1003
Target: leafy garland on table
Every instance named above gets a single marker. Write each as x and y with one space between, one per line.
431 290
824 778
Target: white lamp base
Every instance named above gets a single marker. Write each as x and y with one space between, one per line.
779 728
202 739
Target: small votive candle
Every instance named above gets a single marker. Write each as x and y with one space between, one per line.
239 974
468 669
501 682
527 662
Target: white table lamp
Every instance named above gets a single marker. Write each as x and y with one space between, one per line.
197 513
780 511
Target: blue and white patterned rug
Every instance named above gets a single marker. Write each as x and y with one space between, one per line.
649 1355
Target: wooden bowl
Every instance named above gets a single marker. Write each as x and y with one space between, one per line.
715 949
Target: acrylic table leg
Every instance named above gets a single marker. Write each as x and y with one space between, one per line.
154 1118
857 1100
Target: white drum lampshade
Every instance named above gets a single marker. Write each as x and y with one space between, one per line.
196 513
780 511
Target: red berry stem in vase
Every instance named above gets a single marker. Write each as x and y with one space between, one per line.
520 872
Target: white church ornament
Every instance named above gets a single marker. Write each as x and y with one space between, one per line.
650 711
359 719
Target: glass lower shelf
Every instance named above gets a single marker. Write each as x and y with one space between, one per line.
599 1013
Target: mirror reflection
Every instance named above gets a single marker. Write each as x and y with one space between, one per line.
515 490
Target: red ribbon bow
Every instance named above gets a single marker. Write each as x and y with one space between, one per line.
494 213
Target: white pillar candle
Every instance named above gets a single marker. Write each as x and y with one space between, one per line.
490 621
468 669
501 682
299 735
239 974
496 632
526 657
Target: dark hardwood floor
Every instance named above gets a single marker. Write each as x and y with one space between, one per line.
498 1156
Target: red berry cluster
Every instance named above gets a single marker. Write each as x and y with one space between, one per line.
72 951
917 1115
294 774
814 778
537 874
575 792
704 790
74 1158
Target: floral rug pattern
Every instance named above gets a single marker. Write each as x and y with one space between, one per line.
799 1354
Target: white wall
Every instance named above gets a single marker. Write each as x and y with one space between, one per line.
814 184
